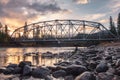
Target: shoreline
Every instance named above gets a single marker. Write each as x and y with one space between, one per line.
90 60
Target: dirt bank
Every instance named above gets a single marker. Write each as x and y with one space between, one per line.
110 44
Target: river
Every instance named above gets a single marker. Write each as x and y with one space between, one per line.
15 55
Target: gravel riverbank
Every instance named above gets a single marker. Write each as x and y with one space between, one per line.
93 63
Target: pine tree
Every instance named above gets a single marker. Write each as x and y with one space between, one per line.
114 29
6 29
118 24
0 27
112 26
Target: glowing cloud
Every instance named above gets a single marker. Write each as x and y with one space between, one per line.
81 1
92 17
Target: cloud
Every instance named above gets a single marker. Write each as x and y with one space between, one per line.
115 6
12 23
16 12
103 21
50 16
93 17
44 8
16 6
81 1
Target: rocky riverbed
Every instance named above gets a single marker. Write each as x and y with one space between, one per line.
93 63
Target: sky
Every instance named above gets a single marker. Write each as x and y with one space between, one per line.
15 13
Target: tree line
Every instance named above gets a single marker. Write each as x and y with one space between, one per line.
115 29
4 35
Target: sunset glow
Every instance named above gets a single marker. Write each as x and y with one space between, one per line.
15 13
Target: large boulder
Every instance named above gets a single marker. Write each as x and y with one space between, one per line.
75 69
40 72
12 66
104 76
69 77
27 70
8 71
56 68
17 70
86 76
2 70
102 67
59 73
23 63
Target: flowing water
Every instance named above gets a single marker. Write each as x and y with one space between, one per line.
15 55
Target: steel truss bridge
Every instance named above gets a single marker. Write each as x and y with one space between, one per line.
73 31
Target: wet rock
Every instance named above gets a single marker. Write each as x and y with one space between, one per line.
92 47
78 62
104 76
59 73
92 65
102 67
27 70
117 71
117 64
23 63
75 69
53 69
12 66
111 71
118 49
70 77
40 72
8 71
64 63
96 58
86 76
48 78
47 55
108 58
91 55
99 57
116 77
118 56
2 70
17 70
92 51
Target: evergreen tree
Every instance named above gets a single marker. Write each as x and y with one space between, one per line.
112 26
6 29
0 27
4 36
118 24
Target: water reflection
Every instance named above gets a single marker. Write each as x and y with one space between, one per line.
15 55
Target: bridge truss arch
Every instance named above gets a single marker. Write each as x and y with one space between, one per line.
58 30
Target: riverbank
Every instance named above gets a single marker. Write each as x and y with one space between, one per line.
95 63
110 44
